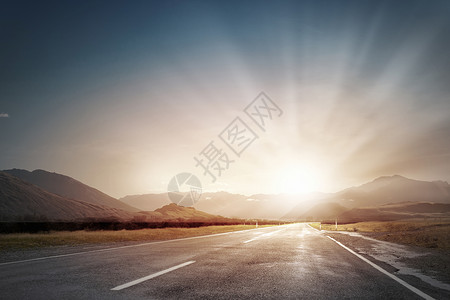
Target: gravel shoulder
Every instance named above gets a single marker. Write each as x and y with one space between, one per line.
426 269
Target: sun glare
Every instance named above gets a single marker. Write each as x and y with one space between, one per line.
298 179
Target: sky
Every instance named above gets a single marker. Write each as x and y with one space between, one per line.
123 95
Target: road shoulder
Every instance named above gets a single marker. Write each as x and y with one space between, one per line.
427 270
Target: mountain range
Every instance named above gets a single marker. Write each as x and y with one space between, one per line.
259 206
147 201
385 198
42 195
45 196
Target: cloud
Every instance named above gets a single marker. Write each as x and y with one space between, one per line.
3 115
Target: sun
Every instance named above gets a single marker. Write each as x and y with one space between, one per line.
298 179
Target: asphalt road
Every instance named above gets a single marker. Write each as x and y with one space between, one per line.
283 262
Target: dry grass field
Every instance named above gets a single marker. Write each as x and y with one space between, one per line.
423 233
58 238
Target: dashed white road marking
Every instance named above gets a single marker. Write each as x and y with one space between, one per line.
405 284
265 234
140 280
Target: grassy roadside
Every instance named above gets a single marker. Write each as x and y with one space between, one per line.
19 241
429 234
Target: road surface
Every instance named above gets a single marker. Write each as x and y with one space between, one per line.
282 262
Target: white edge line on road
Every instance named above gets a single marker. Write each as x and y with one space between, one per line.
123 247
137 281
314 228
405 284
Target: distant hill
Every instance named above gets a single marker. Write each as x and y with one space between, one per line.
258 206
324 211
69 188
147 202
23 201
385 198
225 204
220 203
175 212
393 189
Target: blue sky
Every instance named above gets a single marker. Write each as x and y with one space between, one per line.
122 95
